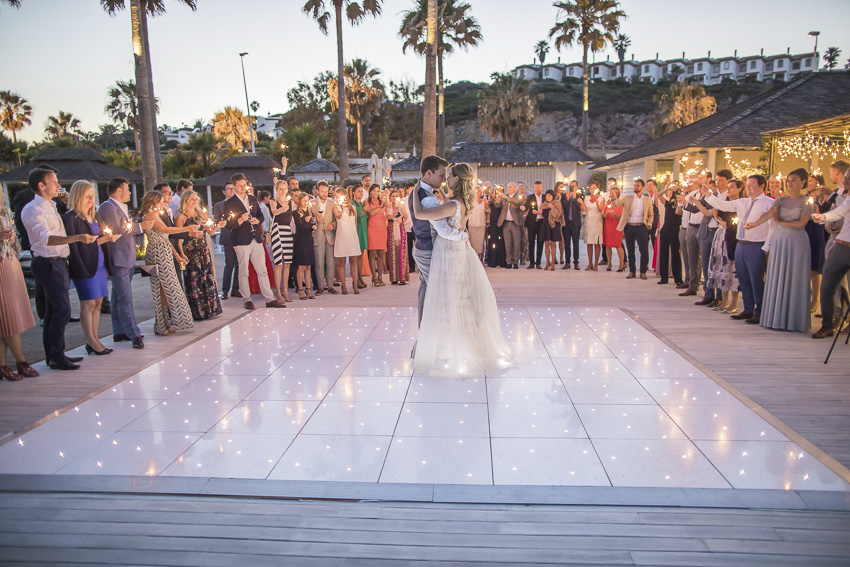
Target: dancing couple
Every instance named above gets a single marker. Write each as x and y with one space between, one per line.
459 325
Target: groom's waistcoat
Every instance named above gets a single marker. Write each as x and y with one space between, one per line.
421 228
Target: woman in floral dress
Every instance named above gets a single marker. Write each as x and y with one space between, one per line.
198 277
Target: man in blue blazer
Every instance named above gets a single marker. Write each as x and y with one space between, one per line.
120 258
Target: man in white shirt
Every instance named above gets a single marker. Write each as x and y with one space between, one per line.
49 246
750 259
708 228
324 238
174 205
691 252
837 262
683 241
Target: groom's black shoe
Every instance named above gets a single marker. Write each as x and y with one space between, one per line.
516 266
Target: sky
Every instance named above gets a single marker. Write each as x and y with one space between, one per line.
65 54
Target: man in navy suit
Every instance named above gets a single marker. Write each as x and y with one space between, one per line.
120 257
244 220
534 224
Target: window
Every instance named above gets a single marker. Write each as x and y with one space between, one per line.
742 67
725 65
545 72
780 64
807 62
646 68
769 66
596 70
699 66
715 68
752 64
795 66
690 69
571 71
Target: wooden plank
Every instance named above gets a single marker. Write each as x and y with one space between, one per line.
687 559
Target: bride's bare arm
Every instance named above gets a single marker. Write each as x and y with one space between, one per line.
435 213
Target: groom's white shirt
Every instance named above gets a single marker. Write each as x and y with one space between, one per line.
441 226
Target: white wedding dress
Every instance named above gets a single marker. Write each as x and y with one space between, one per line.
460 334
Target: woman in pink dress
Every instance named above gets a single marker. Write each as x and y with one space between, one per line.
397 240
611 237
376 208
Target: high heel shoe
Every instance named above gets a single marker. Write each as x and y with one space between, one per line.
301 295
310 294
90 350
6 372
25 370
356 288
609 269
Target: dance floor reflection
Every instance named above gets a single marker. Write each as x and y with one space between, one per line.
329 394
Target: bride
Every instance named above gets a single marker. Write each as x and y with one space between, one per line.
460 334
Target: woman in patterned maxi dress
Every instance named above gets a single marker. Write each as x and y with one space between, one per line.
198 277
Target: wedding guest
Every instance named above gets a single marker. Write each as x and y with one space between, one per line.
229 283
837 262
121 260
85 262
652 191
787 295
635 222
397 240
242 213
749 257
355 198
321 209
707 230
534 226
281 239
347 243
477 223
182 185
510 221
171 309
550 230
198 277
495 240
691 250
721 275
303 250
376 209
49 245
559 192
775 187
571 203
15 312
612 237
408 227
817 236
669 256
592 206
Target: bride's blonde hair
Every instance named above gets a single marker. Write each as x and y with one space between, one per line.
464 192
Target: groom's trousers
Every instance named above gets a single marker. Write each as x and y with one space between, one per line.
423 266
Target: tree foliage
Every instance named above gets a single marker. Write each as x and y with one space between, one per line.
831 57
684 103
507 108
231 127
62 126
363 94
541 48
15 113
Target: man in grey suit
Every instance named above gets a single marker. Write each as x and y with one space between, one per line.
433 170
511 221
120 258
323 239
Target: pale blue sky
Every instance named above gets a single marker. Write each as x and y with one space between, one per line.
65 54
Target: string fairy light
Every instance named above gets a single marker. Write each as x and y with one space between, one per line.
807 145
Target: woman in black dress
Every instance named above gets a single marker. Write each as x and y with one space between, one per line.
494 244
303 256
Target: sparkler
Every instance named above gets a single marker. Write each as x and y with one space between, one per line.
107 231
128 226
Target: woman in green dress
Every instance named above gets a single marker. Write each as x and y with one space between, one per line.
355 197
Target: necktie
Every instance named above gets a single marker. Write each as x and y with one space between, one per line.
570 205
743 221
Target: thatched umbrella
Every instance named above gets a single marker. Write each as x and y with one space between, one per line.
258 169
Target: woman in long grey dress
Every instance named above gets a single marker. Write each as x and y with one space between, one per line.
787 286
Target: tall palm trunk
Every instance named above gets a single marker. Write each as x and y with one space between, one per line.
429 134
441 114
359 139
585 81
152 101
136 140
149 147
341 124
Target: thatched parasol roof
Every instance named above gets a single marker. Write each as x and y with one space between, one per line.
73 164
259 169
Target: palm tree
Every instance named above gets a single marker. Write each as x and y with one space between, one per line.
231 127
124 159
15 113
676 71
303 143
354 13
507 108
148 133
541 48
204 145
13 3
592 23
622 44
683 104
363 95
62 126
123 108
831 57
454 28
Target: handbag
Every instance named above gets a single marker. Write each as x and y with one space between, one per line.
149 270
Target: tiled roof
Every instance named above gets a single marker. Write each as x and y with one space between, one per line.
411 163
517 152
258 169
810 98
315 165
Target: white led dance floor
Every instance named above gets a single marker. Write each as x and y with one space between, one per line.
328 394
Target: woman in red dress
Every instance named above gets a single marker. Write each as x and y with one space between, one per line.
612 238
376 208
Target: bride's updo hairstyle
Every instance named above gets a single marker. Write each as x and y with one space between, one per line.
464 192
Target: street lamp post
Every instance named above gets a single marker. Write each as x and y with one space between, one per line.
815 58
247 104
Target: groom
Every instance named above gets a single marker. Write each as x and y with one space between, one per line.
433 170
